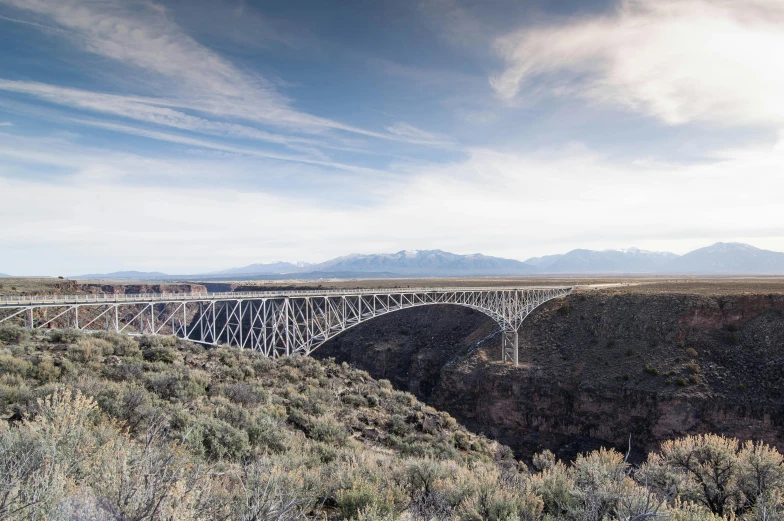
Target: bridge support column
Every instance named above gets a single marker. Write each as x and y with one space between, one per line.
509 347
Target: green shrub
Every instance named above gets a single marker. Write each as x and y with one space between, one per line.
159 354
364 500
651 370
10 364
299 419
245 394
88 349
14 334
176 385
268 434
328 430
65 336
44 371
156 341
354 400
124 345
217 440
543 460
125 371
262 365
405 399
461 440
101 345
325 453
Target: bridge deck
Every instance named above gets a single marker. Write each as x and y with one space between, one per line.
60 300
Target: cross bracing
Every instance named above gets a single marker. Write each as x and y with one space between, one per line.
276 323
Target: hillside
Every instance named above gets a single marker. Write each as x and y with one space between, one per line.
729 258
107 426
321 436
632 260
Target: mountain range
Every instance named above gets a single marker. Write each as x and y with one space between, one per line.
718 259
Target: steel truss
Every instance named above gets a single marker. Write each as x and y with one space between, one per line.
274 323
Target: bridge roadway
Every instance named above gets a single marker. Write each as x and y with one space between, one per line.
276 323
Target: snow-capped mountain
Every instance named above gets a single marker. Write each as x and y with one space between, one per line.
718 259
424 263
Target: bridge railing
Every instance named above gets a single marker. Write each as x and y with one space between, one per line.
33 300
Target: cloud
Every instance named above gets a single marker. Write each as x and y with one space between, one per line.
411 134
6 124
514 205
142 36
146 109
676 60
197 164
457 26
201 143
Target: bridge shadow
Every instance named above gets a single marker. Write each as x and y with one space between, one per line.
411 347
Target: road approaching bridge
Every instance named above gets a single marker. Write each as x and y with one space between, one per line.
276 323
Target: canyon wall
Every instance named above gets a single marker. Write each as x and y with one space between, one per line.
596 368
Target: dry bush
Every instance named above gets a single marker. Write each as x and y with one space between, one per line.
260 439
718 473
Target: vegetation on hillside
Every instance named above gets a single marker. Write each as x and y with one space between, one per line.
107 426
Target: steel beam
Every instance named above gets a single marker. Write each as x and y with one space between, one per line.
274 323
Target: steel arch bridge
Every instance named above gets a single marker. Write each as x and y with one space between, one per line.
276 323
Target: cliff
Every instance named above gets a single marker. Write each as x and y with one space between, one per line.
596 367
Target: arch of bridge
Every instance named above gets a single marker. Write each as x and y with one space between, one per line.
504 324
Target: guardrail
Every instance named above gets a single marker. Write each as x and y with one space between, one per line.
231 295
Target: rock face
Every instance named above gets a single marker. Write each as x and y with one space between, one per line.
596 368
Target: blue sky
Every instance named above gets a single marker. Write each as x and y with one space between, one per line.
188 136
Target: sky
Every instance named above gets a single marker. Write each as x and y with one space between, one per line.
188 136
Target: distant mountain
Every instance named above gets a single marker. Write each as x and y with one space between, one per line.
730 258
425 263
632 260
265 269
718 259
126 275
3 275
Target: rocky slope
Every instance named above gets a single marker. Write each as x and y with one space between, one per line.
597 367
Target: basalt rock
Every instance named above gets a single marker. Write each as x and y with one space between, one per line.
608 368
